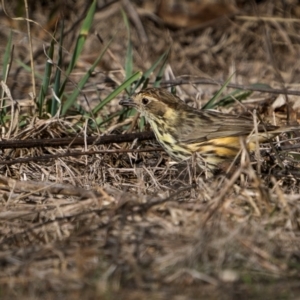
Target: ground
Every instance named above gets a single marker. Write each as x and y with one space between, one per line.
134 225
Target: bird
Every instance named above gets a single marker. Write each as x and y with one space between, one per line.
183 130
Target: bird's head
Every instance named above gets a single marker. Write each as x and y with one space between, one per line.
154 103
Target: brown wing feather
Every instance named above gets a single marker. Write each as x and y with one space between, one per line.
223 125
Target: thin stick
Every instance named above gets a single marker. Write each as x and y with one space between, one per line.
74 153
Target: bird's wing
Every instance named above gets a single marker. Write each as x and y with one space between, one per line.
217 125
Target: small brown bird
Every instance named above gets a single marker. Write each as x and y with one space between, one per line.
182 130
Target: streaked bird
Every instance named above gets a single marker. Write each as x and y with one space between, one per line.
182 130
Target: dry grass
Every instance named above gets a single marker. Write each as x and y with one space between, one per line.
134 225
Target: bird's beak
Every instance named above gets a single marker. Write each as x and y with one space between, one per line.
127 102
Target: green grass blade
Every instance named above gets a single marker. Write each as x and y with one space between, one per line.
236 95
128 61
7 57
117 91
129 56
109 118
46 79
57 76
161 69
85 28
239 95
72 98
146 75
6 67
211 103
28 69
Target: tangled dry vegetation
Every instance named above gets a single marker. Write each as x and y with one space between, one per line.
132 224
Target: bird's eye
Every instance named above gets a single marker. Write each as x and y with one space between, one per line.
145 101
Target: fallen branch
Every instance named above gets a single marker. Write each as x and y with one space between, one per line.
77 141
73 153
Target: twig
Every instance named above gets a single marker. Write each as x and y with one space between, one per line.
77 141
168 83
75 153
